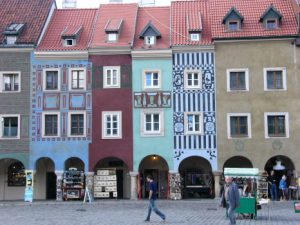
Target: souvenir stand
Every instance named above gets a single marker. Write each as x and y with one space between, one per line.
241 177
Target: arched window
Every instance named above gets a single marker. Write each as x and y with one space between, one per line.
16 174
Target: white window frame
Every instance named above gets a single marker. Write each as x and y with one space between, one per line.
105 69
112 37
70 78
69 123
201 130
246 70
195 36
286 114
69 39
112 113
11 39
283 69
150 40
192 87
248 115
2 73
143 131
44 114
2 116
271 19
45 81
152 87
238 22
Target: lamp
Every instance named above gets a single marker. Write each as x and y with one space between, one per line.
154 156
278 166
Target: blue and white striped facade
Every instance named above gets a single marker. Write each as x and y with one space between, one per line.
200 100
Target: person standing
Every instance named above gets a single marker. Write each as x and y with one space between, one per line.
272 182
152 198
283 188
232 198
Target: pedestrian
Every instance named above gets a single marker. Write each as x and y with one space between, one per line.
232 198
272 181
283 188
152 198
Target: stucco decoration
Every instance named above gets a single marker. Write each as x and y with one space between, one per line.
239 145
152 99
277 145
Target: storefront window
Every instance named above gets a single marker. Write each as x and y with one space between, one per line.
16 174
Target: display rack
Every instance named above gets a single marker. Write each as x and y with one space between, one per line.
105 183
262 188
73 184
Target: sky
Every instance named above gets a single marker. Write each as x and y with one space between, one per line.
95 3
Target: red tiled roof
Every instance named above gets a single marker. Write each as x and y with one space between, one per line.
252 10
186 12
194 21
32 13
113 25
68 20
160 19
106 12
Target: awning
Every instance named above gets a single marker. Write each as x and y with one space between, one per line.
241 172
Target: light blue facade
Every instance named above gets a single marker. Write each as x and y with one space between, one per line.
148 145
201 100
62 102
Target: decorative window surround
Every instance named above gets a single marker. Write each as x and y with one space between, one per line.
152 79
15 79
283 78
153 113
229 115
3 118
70 113
80 87
111 77
44 114
109 119
286 124
243 70
45 80
193 123
192 79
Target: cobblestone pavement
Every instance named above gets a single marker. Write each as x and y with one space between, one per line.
126 212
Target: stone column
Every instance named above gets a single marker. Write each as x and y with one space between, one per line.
175 185
217 178
134 185
59 185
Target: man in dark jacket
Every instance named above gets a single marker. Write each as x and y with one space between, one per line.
232 197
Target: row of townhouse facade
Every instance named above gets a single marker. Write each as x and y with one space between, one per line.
179 92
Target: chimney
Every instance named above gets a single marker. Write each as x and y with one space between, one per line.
69 4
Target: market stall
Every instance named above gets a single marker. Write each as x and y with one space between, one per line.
246 179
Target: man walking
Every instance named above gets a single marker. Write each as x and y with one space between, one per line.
152 198
232 197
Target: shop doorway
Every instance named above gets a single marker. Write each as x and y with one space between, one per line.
157 167
238 162
74 163
198 181
122 173
51 185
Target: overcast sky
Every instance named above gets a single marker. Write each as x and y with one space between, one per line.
95 3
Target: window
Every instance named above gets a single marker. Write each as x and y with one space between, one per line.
192 79
77 121
150 40
239 125
275 79
195 37
10 126
271 24
152 123
51 80
112 125
10 81
237 80
152 79
111 77
233 25
11 40
276 125
78 79
51 124
16 175
112 37
70 42
193 123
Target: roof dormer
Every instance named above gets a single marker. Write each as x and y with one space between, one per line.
233 20
194 25
150 34
271 18
70 35
12 32
113 29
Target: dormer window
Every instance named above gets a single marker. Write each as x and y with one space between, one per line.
70 35
195 37
194 25
12 32
271 18
113 29
150 34
233 20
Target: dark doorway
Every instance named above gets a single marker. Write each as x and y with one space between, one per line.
51 185
120 183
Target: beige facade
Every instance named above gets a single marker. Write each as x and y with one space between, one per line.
255 56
